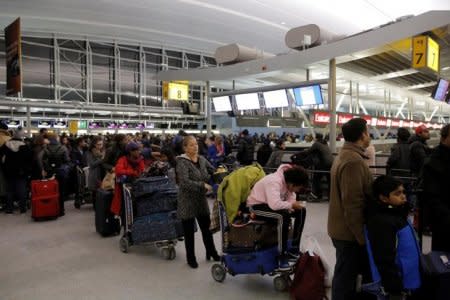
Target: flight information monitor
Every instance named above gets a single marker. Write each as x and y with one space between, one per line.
275 99
222 104
247 101
308 95
441 90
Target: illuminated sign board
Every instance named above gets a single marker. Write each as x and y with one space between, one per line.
176 91
425 53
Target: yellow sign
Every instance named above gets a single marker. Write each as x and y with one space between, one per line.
433 55
175 91
73 127
425 53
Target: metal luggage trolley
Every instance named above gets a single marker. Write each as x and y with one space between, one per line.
84 196
167 246
262 261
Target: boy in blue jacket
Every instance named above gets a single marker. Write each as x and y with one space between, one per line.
392 245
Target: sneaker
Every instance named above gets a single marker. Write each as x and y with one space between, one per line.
283 264
293 255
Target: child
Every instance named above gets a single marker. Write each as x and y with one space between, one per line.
392 239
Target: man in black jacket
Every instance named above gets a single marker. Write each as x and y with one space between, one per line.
17 167
246 149
436 174
398 162
418 149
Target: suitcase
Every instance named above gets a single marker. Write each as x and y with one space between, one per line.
44 199
149 185
161 201
436 282
252 236
105 223
255 262
155 227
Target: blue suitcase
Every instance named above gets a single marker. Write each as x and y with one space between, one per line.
162 200
155 227
257 262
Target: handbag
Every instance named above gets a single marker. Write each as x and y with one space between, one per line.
215 220
109 181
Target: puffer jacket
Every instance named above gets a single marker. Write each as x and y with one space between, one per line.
17 158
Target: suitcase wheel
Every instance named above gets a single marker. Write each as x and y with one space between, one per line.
124 244
218 272
281 283
169 253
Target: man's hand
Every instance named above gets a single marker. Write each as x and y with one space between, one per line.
297 205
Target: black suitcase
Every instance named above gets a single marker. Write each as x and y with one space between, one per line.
436 273
162 200
149 185
105 223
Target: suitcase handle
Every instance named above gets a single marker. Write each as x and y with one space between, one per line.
46 201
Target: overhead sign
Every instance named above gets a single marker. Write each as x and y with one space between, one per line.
73 127
176 90
13 58
425 53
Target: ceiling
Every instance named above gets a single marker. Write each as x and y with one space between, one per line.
205 25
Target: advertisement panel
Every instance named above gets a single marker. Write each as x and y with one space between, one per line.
13 59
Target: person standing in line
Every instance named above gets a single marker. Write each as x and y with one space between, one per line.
193 173
246 149
351 183
436 174
398 162
276 156
418 149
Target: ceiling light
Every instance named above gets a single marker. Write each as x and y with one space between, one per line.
445 68
283 23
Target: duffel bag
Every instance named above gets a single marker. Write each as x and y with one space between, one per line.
149 185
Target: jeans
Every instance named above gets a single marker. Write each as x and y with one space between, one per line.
16 190
351 260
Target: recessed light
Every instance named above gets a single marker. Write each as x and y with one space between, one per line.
283 23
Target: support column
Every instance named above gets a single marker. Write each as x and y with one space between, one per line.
117 81
142 78
390 104
28 121
56 70
385 104
332 103
89 73
208 109
350 107
308 74
357 98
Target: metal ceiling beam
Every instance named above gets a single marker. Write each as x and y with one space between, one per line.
371 39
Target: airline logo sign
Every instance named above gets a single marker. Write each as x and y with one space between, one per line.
321 117
382 122
344 118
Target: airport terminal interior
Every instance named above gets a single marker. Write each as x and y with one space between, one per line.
144 74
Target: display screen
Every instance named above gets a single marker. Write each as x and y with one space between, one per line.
150 125
140 126
222 103
123 125
112 125
13 123
247 101
44 124
94 125
308 95
60 124
441 90
275 99
82 124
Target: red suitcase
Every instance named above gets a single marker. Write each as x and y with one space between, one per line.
44 198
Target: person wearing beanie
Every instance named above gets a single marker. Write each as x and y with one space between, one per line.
127 168
418 149
16 157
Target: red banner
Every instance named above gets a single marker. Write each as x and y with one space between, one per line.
344 118
13 58
321 117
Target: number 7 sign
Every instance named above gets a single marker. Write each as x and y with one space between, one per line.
419 55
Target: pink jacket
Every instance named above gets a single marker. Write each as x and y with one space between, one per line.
272 190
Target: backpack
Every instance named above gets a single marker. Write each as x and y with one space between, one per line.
53 160
309 276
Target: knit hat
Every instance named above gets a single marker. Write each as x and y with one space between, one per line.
421 129
131 146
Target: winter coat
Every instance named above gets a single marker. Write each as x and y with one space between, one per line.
399 159
418 151
436 174
392 241
351 183
191 181
112 155
16 159
56 159
246 150
123 169
323 154
263 154
275 159
96 172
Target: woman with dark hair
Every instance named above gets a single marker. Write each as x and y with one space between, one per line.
193 172
276 156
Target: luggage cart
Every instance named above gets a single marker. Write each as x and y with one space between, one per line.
264 261
84 195
167 244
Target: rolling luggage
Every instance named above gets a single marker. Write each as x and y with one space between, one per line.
436 270
156 227
252 236
263 262
164 199
105 223
44 199
149 185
